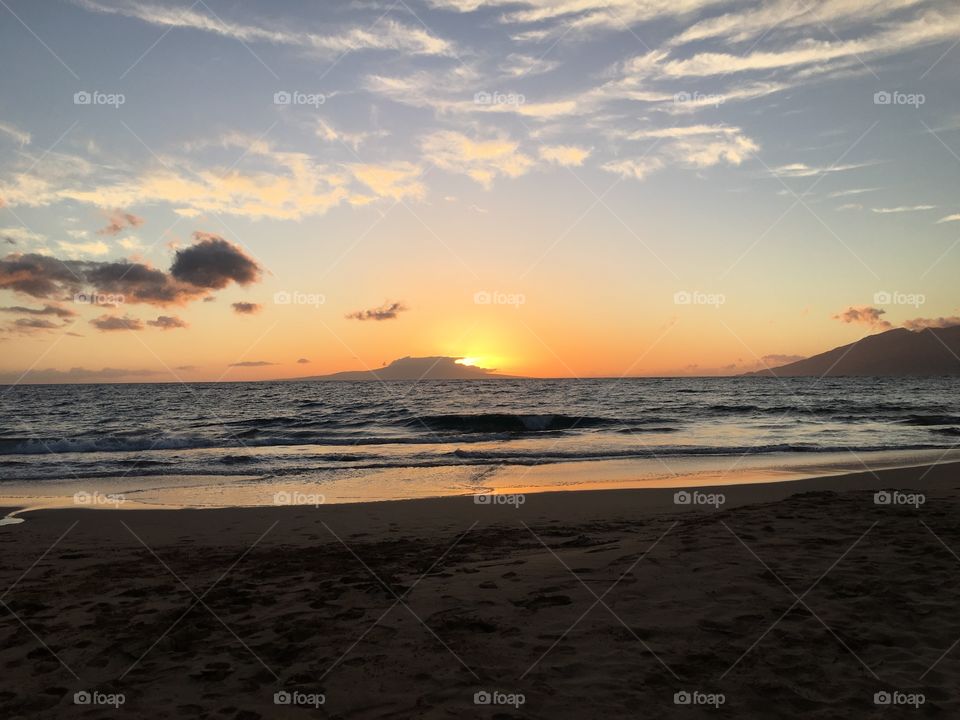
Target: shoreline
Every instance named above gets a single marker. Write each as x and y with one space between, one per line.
414 608
943 477
208 492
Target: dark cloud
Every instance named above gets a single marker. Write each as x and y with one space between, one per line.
864 315
387 311
303 361
213 263
10 241
76 374
120 221
139 283
38 275
924 323
252 363
246 308
167 322
55 310
108 323
185 367
35 324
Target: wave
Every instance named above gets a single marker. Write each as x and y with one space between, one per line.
553 456
506 422
525 423
926 420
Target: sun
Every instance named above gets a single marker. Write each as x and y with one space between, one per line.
469 361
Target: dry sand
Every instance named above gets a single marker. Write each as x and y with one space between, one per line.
799 599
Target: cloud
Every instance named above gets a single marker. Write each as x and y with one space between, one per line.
802 170
394 180
903 209
385 34
20 136
268 183
634 168
482 160
695 146
776 360
761 19
210 264
75 374
576 16
326 131
939 322
35 324
303 361
214 263
949 218
925 29
246 308
54 310
566 155
120 221
251 363
853 191
111 323
167 322
387 311
518 65
864 315
77 250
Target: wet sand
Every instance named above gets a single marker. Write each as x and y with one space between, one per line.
790 599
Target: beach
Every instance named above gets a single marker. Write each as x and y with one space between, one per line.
791 599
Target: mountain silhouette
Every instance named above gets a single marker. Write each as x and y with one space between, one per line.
416 368
899 352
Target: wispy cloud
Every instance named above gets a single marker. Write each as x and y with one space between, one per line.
20 136
567 155
386 34
902 209
483 160
387 311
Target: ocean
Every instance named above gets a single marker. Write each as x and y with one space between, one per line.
403 439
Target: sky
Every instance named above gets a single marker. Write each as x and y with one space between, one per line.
247 190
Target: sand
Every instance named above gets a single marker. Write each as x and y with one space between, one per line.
791 599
